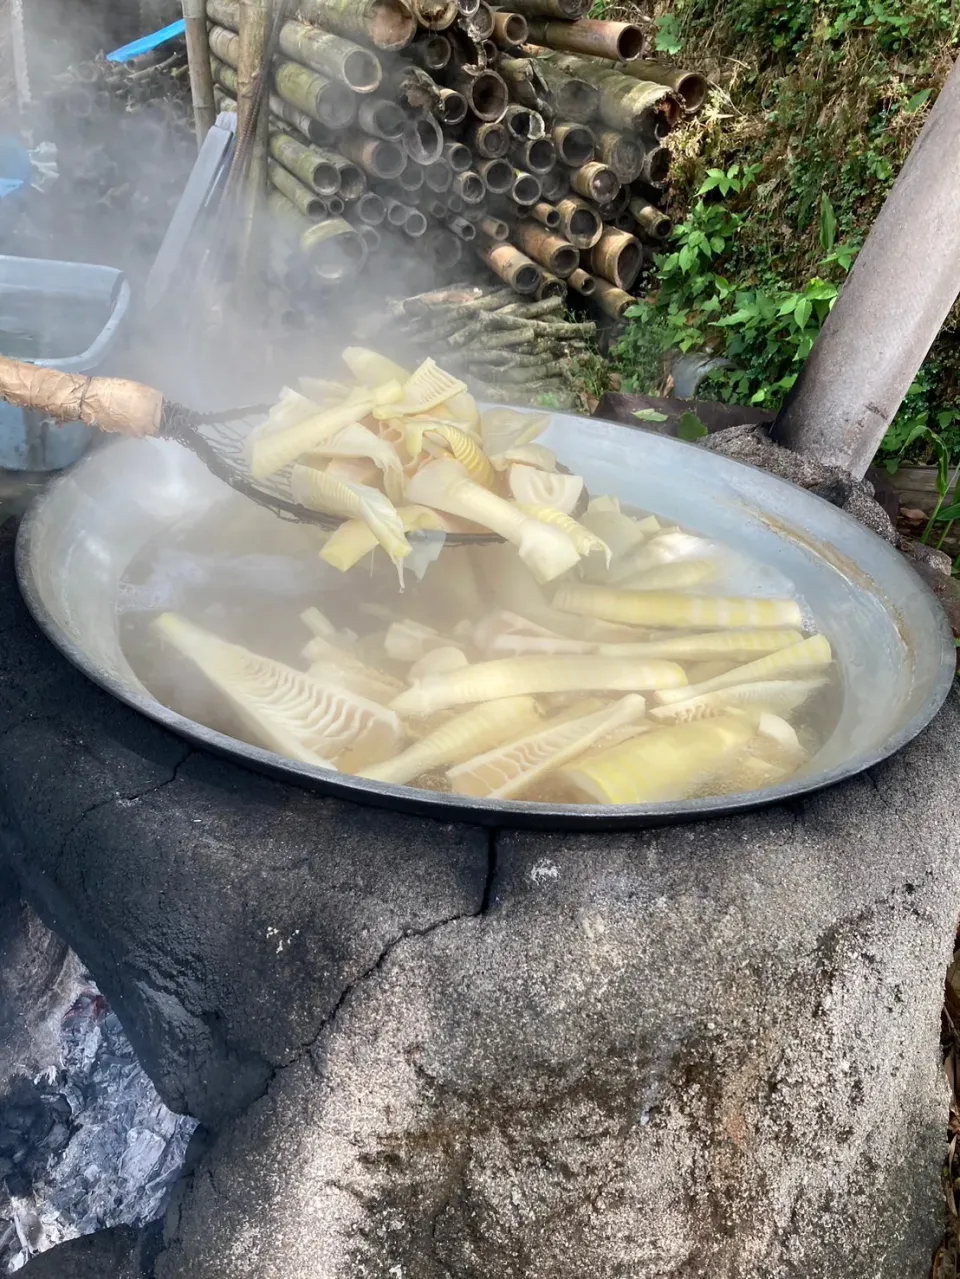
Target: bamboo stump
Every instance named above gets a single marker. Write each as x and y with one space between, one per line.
430 1051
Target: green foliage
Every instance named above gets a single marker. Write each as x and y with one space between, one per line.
780 180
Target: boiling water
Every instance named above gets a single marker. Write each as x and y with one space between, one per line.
246 577
54 328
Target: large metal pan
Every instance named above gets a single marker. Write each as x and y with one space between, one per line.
892 640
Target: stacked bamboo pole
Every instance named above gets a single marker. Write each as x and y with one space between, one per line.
527 138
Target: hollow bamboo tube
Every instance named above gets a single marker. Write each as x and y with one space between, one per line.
332 55
423 139
397 212
490 140
574 144
310 128
225 45
622 154
569 10
441 248
381 118
523 122
594 181
526 190
371 209
483 22
612 209
370 236
434 15
510 29
557 255
328 101
651 220
453 107
625 103
378 158
580 223
335 205
431 50
306 164
385 24
555 185
411 179
415 225
463 229
457 156
453 202
574 97
551 286
485 91
617 41
535 155
468 8
611 299
252 133
546 215
307 201
617 257
198 62
494 228
689 86
469 187
334 249
584 283
512 266
497 175
656 166
438 177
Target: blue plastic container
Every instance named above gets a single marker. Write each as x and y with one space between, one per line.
61 315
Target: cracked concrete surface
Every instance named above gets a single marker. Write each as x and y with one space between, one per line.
429 1051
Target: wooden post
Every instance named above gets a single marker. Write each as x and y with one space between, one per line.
201 78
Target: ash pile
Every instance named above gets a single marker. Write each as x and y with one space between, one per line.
86 1145
442 143
125 145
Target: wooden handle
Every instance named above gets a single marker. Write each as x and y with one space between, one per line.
103 403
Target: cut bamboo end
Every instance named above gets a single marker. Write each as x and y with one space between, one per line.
423 140
468 7
537 155
580 223
335 205
526 189
574 144
615 41
453 108
490 140
555 184
494 228
656 166
690 86
486 94
411 179
386 24
497 175
551 286
546 215
575 98
651 220
308 202
380 159
614 301
415 225
432 50
463 229
523 123
622 154
434 15
332 56
397 213
334 249
382 118
305 163
584 283
469 187
617 257
557 255
371 209
512 266
595 181
458 156
510 30
438 177
484 22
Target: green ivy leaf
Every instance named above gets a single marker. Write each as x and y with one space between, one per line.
828 223
650 415
690 428
917 101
